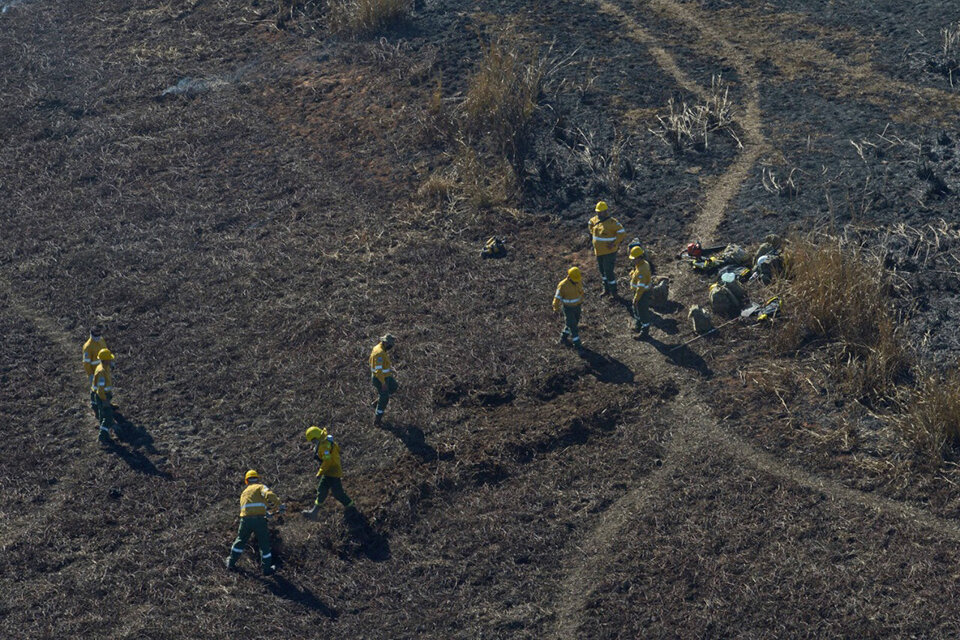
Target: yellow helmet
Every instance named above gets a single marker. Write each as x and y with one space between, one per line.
636 252
250 475
601 207
574 274
104 354
316 433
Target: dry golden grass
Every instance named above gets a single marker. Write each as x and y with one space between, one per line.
837 293
362 17
502 98
931 422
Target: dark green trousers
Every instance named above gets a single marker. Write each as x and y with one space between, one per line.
334 486
105 413
606 265
93 399
385 391
256 525
571 323
641 312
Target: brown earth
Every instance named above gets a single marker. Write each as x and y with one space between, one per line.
246 236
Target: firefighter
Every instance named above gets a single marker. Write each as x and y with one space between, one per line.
567 300
91 348
101 390
381 375
327 453
640 284
607 234
256 501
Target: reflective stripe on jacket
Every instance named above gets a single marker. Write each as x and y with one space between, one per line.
606 235
90 351
102 381
640 278
328 453
256 499
380 363
569 294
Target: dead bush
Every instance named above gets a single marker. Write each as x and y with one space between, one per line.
691 126
502 97
837 293
363 17
931 422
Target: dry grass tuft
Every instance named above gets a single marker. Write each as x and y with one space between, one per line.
931 422
950 41
691 126
837 293
363 17
502 97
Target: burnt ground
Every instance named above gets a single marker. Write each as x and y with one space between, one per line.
238 205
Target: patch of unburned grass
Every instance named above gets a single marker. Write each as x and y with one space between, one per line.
931 421
836 293
502 97
364 17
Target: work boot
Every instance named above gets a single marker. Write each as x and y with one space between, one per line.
644 330
311 513
269 571
104 437
377 419
229 564
564 340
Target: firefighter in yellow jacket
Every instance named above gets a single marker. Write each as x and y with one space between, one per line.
606 234
101 389
327 453
91 348
640 277
256 501
567 300
381 375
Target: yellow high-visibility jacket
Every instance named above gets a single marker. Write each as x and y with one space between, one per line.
256 499
102 381
328 453
640 278
606 234
90 351
569 294
380 363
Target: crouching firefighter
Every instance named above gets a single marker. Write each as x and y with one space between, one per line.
256 503
640 284
328 454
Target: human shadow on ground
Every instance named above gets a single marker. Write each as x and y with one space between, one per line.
670 306
682 355
373 544
283 588
414 440
137 437
668 325
607 368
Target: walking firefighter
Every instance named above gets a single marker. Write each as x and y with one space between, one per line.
101 392
327 453
256 502
567 301
640 277
381 375
606 234
91 348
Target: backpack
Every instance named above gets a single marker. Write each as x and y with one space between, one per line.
494 248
